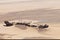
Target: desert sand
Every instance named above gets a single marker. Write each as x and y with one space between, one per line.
42 11
24 32
41 16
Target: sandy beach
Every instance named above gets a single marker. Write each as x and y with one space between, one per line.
43 11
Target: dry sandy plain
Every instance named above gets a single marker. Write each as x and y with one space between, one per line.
44 16
44 11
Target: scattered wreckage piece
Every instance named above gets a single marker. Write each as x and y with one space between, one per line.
26 24
7 23
31 24
43 26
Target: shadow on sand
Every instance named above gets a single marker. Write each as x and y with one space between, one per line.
23 27
43 31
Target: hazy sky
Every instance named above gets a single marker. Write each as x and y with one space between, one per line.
19 5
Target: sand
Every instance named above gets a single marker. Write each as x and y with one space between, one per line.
40 11
24 32
41 16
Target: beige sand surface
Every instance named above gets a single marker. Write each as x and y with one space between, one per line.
44 16
44 11
23 32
